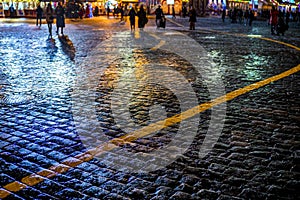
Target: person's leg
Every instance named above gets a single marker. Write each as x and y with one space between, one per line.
62 30
50 29
48 25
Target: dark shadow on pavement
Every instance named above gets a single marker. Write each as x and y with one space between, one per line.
51 48
67 46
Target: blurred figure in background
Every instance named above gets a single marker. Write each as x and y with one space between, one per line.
39 15
193 18
49 18
132 15
142 15
273 19
60 18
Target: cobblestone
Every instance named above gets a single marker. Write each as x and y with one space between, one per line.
255 157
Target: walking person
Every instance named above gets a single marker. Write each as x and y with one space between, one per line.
251 17
281 28
193 18
287 19
122 13
49 18
274 19
107 11
60 18
234 16
80 11
158 16
132 15
142 15
246 17
173 12
184 11
240 15
11 11
223 14
39 15
87 11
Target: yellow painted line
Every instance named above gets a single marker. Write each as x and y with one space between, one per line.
279 42
155 36
254 36
4 193
72 162
15 186
46 173
60 168
197 109
160 44
32 179
69 163
178 24
243 35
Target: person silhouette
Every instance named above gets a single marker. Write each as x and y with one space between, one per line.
39 15
60 18
49 18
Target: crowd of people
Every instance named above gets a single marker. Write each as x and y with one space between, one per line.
278 24
278 20
237 15
58 12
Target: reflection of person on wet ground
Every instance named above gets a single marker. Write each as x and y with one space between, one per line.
39 15
60 18
132 15
49 18
142 21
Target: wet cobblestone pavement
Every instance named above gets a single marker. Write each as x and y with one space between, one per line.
47 138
